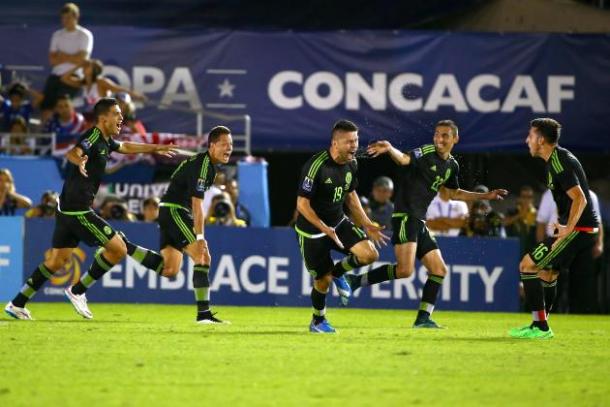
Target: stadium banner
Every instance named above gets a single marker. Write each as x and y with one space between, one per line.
394 84
263 267
11 256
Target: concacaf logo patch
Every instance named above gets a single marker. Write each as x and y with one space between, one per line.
200 185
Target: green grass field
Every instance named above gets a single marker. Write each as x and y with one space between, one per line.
143 355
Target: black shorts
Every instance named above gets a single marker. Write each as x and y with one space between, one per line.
563 255
406 229
81 226
53 89
316 250
176 227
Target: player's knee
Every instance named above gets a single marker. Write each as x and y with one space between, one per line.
440 271
404 271
368 256
57 263
118 251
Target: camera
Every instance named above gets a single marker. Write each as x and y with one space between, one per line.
118 212
222 209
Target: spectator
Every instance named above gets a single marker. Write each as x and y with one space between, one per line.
17 142
222 212
446 217
115 208
46 208
521 221
217 188
484 221
94 86
10 200
131 125
66 123
70 47
381 203
241 212
16 106
150 209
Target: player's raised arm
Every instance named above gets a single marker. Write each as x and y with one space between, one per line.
128 147
384 147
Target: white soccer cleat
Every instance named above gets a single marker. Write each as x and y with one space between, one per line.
79 302
208 318
18 313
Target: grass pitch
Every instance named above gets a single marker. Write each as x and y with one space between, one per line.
145 355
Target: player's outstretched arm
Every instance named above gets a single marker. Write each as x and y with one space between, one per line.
384 147
167 150
463 195
305 209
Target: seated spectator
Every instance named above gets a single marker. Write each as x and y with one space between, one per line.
222 212
446 217
16 106
46 208
150 209
10 200
381 203
521 221
70 47
217 188
115 208
131 125
484 221
94 86
66 123
241 212
17 143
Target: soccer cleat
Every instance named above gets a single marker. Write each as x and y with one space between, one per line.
351 281
531 332
323 327
426 323
17 312
345 291
208 318
79 302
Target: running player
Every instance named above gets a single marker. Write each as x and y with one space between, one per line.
424 171
328 180
75 220
181 220
576 230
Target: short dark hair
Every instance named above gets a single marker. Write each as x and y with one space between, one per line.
448 123
18 89
216 132
345 126
103 106
549 128
65 96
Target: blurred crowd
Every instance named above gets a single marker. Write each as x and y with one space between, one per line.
64 107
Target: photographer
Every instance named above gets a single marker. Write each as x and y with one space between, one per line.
484 221
46 208
150 210
10 200
222 212
115 208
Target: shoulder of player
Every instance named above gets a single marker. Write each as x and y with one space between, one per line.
91 136
562 158
424 150
313 165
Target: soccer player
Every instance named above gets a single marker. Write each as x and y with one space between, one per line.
424 171
328 180
75 220
181 219
575 232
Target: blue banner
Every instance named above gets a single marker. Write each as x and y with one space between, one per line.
256 266
394 84
11 256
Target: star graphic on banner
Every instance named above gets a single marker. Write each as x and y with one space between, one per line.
226 88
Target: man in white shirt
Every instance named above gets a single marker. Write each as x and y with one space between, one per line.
582 287
69 47
446 217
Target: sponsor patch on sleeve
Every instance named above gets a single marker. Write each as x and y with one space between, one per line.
86 144
307 184
200 185
417 153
